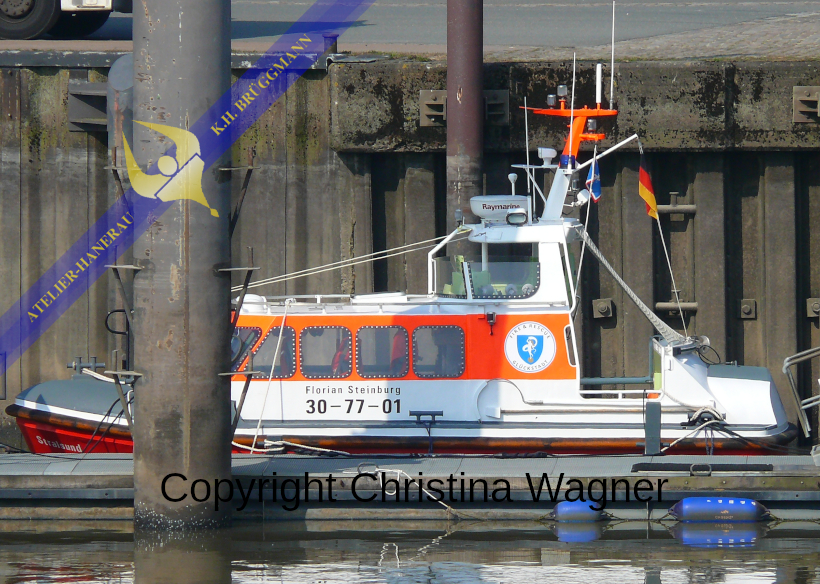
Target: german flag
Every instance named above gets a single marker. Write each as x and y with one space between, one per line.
645 190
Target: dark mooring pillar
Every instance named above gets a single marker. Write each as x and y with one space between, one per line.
181 308
465 104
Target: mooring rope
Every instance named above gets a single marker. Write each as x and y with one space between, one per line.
694 433
399 474
371 257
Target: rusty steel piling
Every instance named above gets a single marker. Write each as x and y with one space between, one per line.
465 105
181 302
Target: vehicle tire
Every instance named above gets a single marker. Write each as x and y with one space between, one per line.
27 19
79 24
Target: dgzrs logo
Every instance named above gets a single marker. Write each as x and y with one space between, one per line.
530 347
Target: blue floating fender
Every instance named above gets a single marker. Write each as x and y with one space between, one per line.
721 509
579 532
575 511
718 535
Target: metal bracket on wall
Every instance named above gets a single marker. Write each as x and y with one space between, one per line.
115 170
806 104
673 307
433 107
497 107
132 377
672 209
87 107
126 305
812 307
248 274
243 191
602 308
748 309
248 377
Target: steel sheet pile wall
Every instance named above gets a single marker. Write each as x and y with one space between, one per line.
53 186
344 168
307 204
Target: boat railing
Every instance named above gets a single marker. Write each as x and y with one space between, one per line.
648 393
306 298
807 403
431 272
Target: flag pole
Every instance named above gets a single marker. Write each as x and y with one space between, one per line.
668 261
674 286
586 224
571 115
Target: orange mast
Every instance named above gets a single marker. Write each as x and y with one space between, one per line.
577 125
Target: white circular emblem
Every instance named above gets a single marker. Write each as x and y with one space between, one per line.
530 347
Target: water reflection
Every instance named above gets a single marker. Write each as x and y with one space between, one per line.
382 552
182 558
578 532
716 535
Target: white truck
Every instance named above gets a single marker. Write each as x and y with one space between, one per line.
30 19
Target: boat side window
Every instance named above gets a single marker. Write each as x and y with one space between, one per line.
438 351
244 337
285 365
382 351
450 277
505 277
325 352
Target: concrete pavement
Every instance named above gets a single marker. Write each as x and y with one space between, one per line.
529 30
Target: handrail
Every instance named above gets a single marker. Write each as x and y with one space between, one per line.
431 272
800 357
802 405
650 377
317 297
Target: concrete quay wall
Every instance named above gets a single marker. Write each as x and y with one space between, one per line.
343 168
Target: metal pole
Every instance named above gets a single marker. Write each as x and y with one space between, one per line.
465 106
181 302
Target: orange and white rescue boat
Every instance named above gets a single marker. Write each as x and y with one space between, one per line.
485 362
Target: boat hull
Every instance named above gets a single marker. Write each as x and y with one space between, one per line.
47 433
49 438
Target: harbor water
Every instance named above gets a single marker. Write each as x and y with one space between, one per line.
423 552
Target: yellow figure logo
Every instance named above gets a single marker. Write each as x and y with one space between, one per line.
180 177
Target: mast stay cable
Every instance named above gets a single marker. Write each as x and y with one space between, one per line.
667 332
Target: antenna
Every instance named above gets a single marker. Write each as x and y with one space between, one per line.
612 68
599 74
571 113
512 177
527 140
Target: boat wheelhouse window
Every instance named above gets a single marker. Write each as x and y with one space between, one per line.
450 277
505 277
285 365
438 351
244 337
325 352
382 351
